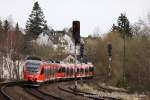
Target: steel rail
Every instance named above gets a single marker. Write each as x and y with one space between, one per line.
41 95
3 91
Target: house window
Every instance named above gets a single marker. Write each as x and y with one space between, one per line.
71 60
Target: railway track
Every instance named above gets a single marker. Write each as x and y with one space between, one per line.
93 89
62 91
89 95
95 95
85 94
110 89
40 94
4 92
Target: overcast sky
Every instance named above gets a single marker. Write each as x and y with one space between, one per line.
92 14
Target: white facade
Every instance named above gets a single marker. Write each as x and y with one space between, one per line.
70 59
65 41
43 39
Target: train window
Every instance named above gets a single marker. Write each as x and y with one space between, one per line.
52 71
81 70
86 70
91 69
32 70
49 70
78 70
63 69
67 70
30 64
71 70
45 71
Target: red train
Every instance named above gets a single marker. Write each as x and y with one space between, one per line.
37 71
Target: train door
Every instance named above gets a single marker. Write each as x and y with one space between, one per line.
45 73
52 72
86 70
71 72
67 72
64 72
78 71
83 72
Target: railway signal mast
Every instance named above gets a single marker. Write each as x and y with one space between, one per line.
81 51
76 37
109 48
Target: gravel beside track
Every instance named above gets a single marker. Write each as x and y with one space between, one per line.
54 90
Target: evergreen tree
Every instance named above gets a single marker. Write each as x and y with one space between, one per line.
1 29
17 31
114 28
46 29
6 26
1 32
36 23
1 26
124 26
17 28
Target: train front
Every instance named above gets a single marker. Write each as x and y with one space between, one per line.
31 71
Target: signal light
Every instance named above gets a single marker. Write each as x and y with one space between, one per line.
76 32
109 48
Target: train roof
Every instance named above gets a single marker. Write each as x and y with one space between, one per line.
33 61
33 58
68 65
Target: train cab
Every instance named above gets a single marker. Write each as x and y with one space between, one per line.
31 70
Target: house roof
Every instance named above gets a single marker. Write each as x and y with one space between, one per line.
63 57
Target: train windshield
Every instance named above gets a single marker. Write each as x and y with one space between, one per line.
32 68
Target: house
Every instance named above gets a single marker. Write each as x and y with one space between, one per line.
43 39
58 39
70 59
